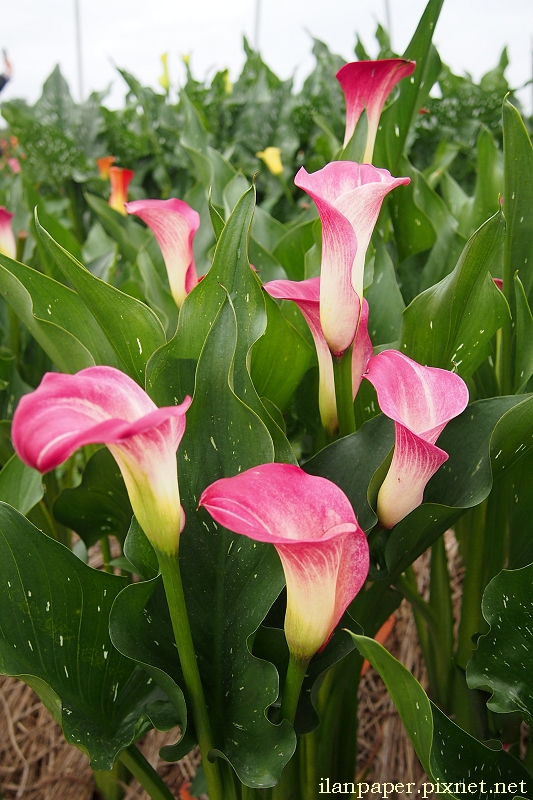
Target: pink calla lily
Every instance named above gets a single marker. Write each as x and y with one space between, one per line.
366 85
306 295
174 224
103 405
311 523
348 197
8 245
421 401
120 180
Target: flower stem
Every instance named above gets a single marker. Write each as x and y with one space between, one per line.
342 372
140 768
293 686
169 567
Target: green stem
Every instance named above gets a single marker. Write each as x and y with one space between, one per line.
472 526
168 565
133 759
308 759
293 686
105 547
342 372
410 593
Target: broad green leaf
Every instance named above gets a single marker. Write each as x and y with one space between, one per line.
397 119
523 365
503 661
20 486
457 765
385 300
230 273
280 358
489 184
132 328
55 316
139 552
12 387
117 226
99 506
230 581
157 294
450 325
54 636
518 190
520 519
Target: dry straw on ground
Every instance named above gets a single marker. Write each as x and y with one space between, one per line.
37 764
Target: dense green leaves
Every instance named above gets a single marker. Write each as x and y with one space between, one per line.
54 635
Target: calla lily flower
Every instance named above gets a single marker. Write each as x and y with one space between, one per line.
367 84
120 179
311 523
14 164
306 295
271 156
174 224
421 401
103 405
8 245
348 197
104 165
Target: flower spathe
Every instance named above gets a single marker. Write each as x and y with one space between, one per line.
104 164
271 156
421 401
366 85
306 295
348 197
174 224
120 180
310 521
103 405
8 245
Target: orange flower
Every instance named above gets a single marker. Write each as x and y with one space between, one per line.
104 164
120 179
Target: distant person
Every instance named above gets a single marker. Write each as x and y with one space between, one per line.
6 74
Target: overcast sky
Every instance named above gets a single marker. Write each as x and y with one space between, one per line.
134 33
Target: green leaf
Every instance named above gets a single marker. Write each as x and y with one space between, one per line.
99 506
54 636
132 328
385 300
518 190
280 358
55 316
291 249
230 273
117 226
20 486
450 325
503 661
523 366
230 581
448 754
140 553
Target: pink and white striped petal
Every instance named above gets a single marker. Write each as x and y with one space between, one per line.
421 400
103 405
174 224
311 523
120 180
8 245
367 84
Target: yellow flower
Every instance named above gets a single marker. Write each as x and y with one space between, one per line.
163 79
272 158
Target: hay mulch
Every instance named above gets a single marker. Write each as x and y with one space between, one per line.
37 764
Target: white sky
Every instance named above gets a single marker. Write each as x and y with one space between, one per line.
134 33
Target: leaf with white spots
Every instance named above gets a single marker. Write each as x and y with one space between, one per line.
54 615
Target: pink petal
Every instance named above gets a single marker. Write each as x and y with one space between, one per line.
367 84
174 224
423 399
414 462
306 295
362 349
8 245
102 405
348 197
311 522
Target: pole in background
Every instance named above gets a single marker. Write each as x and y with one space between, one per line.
389 21
257 23
78 48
